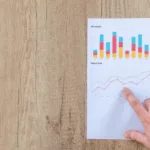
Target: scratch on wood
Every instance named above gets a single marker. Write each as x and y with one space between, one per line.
47 119
18 122
62 100
101 8
124 8
70 116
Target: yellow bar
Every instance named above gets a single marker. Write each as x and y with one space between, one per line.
146 55
107 55
114 55
133 54
139 55
127 55
120 52
101 53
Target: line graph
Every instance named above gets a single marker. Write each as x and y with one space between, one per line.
121 78
121 82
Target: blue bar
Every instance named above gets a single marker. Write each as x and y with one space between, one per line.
146 47
120 39
107 46
101 38
133 40
95 51
114 33
140 40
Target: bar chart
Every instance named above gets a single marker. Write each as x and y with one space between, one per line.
118 56
116 49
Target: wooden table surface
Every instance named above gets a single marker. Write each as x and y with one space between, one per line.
43 72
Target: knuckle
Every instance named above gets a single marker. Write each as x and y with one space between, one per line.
129 95
134 102
133 135
146 119
147 101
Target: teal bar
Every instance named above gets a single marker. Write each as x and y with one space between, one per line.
120 39
146 48
133 40
107 46
114 33
140 40
95 51
101 38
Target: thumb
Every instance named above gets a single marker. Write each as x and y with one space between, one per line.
137 136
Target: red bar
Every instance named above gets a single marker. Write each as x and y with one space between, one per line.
101 45
107 52
114 44
126 52
146 52
133 47
120 44
94 53
140 49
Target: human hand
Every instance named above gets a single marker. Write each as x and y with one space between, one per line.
143 112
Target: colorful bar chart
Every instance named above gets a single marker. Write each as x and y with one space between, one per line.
101 46
107 49
140 46
115 48
133 47
127 53
146 51
114 44
95 53
120 47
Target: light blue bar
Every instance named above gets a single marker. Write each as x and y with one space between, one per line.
107 46
114 34
146 48
140 40
133 40
95 51
120 39
101 38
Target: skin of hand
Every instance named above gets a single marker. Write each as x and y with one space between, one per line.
143 112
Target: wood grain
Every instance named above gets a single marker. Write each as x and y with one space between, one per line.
43 72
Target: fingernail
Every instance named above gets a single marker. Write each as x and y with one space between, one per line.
125 89
126 135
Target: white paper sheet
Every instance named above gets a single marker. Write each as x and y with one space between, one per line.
108 113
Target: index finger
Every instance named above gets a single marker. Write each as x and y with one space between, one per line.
135 104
